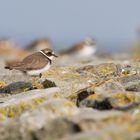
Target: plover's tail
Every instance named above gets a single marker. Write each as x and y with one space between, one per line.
10 64
7 67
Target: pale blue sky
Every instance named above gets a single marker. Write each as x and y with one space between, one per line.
112 22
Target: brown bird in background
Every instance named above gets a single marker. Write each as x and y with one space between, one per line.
86 48
9 50
39 44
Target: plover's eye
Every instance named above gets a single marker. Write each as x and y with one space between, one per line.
49 53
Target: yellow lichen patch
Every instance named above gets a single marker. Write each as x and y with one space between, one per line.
106 70
125 72
10 113
2 84
37 101
23 106
65 107
38 85
50 108
69 104
2 111
134 127
25 89
124 98
114 135
92 97
16 110
100 82
121 119
62 73
72 97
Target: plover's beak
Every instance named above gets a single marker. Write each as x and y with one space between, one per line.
55 55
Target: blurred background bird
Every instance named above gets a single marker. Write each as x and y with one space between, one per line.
83 49
39 44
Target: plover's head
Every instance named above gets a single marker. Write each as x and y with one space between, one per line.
90 41
49 53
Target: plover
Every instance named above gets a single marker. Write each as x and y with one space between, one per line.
86 48
34 64
39 44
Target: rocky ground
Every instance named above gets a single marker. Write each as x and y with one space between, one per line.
77 99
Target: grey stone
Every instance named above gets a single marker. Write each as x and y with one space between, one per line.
16 87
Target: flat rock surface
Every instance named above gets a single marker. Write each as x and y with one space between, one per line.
77 99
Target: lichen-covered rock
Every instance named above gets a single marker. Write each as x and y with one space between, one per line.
130 83
83 94
48 84
101 104
105 70
16 87
109 86
21 86
134 86
118 101
15 105
130 78
95 98
43 83
65 127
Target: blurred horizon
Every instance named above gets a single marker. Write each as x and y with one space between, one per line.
112 23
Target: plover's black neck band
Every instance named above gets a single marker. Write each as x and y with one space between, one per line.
46 56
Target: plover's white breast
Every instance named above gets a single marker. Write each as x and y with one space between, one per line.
87 51
37 72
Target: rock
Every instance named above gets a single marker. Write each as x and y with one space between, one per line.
13 76
60 107
131 83
43 83
26 128
15 105
48 131
104 71
82 94
16 87
104 134
119 101
95 98
134 86
94 115
104 104
42 121
108 87
98 124
48 84
129 78
67 79
65 127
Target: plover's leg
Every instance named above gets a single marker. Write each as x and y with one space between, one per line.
40 75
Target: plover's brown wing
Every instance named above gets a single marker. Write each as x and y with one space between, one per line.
76 47
32 62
